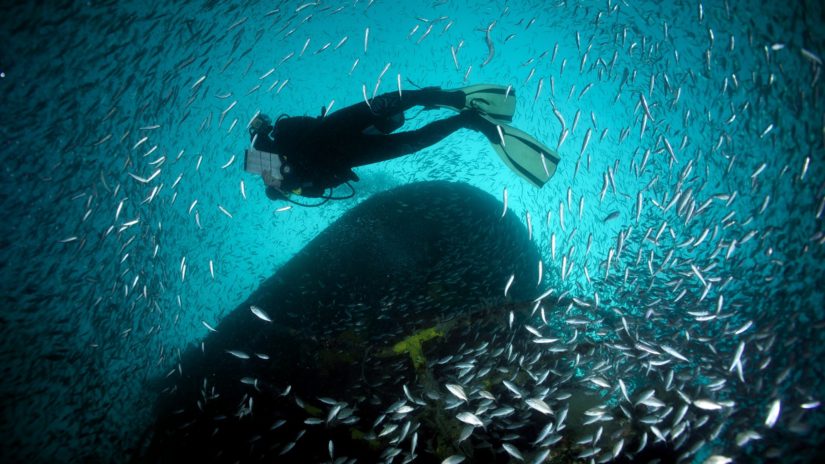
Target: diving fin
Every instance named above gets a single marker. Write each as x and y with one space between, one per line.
496 101
523 154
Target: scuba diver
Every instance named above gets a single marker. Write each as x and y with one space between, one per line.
307 155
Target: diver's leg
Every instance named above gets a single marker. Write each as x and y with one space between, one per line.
357 117
368 149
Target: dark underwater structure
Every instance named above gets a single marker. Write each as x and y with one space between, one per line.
425 260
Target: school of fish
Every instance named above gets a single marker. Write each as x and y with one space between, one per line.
681 302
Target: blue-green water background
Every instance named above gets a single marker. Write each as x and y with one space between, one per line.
93 308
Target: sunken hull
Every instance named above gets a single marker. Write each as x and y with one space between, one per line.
407 277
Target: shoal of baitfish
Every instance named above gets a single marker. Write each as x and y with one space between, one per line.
668 255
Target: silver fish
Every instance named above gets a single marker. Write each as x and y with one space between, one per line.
208 327
469 419
491 50
238 354
773 414
586 141
673 353
512 451
509 283
513 388
454 459
539 405
259 313
458 391
707 405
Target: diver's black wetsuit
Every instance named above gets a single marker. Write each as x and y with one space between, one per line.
319 153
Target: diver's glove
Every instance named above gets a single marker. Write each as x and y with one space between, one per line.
270 180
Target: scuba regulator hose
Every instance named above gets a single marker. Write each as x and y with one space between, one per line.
325 198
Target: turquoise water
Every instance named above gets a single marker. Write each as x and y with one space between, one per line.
106 278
